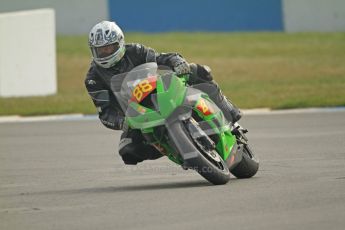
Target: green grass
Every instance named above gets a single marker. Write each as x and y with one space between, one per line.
275 70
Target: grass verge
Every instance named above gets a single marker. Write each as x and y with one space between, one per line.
275 70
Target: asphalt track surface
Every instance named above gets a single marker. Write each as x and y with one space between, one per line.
67 175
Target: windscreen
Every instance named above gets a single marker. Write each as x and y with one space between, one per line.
138 83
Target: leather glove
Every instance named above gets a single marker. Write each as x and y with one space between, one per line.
181 68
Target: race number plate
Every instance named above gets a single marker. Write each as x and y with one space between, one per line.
144 88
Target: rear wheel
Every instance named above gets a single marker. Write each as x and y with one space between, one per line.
248 166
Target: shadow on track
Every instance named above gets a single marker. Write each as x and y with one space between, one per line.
127 188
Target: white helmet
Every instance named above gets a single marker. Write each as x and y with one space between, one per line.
107 44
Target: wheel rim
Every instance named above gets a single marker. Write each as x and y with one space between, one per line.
211 155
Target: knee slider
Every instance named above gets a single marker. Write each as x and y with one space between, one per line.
205 72
200 73
128 155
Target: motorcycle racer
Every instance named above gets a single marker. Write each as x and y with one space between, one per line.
111 56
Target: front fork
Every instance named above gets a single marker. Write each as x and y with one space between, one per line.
241 141
237 150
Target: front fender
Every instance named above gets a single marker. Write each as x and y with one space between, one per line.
179 139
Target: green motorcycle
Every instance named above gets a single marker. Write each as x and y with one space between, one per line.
183 123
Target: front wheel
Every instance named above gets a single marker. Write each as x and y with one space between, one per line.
206 162
216 172
248 166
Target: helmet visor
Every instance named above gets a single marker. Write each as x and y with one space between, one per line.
105 51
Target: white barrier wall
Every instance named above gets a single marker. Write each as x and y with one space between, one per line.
27 53
314 15
72 16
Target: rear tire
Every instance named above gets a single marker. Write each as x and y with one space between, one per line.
248 166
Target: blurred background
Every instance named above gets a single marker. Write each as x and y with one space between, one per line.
269 53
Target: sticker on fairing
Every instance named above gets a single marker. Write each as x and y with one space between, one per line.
203 107
144 88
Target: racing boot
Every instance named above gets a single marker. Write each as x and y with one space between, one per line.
230 111
202 74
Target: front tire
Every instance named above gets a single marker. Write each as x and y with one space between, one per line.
215 172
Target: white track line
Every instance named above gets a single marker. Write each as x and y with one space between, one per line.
79 117
10 119
267 111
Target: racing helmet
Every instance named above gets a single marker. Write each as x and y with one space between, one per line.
107 44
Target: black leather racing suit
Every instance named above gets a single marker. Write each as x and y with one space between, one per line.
132 148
